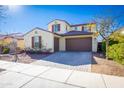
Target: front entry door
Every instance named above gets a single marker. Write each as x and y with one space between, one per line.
56 44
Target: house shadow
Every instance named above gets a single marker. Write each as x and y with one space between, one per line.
36 56
97 55
70 58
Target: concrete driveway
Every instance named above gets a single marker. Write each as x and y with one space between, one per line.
70 58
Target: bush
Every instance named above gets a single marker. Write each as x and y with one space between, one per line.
33 51
111 42
5 50
38 51
116 52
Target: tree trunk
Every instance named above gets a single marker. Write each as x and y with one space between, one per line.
16 55
107 45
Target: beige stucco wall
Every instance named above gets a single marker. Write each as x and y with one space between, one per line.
63 26
62 44
47 39
94 44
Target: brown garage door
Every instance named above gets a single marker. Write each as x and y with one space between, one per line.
56 44
79 44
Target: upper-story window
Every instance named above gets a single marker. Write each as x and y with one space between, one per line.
75 28
56 27
82 28
85 28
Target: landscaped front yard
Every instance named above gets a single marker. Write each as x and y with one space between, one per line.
99 64
23 57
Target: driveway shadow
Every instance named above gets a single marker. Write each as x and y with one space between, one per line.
70 58
34 56
97 55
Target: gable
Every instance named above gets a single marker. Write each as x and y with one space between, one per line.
58 20
37 31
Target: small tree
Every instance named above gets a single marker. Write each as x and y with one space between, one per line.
13 44
106 25
2 16
3 10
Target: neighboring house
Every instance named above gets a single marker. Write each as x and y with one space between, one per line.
62 36
14 37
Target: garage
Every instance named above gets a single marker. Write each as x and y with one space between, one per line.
56 44
79 44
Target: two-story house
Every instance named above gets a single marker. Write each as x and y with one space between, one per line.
62 36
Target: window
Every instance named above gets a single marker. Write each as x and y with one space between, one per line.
75 28
86 29
36 42
82 28
56 27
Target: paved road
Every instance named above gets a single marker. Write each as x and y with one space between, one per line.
20 75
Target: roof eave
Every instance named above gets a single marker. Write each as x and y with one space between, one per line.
37 28
77 34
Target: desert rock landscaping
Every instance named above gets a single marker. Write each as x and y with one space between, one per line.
103 66
23 57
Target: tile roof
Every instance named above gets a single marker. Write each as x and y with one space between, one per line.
71 24
82 24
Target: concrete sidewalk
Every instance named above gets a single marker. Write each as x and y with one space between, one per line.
20 75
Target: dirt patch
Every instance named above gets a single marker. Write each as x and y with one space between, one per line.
103 66
24 58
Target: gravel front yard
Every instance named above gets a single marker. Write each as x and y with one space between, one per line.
24 58
101 65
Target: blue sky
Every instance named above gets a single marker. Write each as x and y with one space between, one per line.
24 18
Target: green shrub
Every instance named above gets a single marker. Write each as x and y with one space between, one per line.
5 50
116 52
111 42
